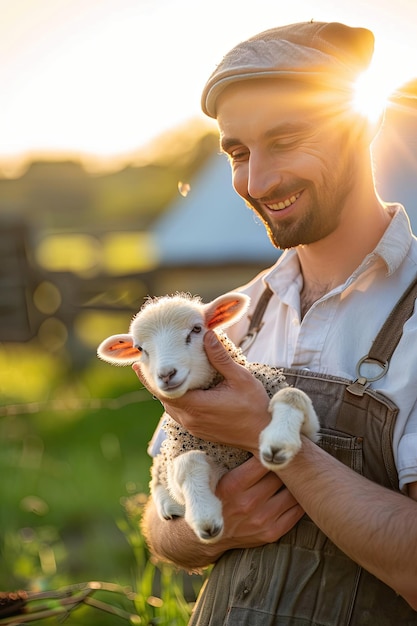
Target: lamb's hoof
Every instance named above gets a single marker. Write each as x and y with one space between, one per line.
210 533
276 458
170 511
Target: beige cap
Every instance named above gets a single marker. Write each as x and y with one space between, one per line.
318 51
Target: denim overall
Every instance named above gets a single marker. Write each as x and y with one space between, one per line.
304 579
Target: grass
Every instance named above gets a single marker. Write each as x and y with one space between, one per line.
65 475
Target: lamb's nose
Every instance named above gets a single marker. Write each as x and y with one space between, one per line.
167 374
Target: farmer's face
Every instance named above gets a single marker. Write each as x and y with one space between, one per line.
290 159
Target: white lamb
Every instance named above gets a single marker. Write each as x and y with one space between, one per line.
166 336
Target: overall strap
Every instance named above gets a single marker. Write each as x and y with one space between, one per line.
392 330
386 340
256 322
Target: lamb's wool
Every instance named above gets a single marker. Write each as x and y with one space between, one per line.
179 440
166 336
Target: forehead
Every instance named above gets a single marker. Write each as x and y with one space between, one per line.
265 101
165 316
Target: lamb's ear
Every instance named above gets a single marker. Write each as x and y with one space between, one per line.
226 310
119 350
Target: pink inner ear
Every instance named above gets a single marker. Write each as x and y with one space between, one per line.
122 345
119 349
131 352
124 349
223 313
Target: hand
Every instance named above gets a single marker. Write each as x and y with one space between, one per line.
233 413
257 508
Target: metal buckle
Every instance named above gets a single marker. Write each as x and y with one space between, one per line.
366 359
359 386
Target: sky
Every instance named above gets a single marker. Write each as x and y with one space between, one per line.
104 78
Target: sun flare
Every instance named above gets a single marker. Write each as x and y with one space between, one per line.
372 91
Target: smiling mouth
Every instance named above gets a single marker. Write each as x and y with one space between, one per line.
283 204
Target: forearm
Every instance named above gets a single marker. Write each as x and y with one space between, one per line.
374 526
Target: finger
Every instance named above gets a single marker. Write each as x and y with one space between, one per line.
282 522
217 354
137 370
287 510
281 505
139 374
250 473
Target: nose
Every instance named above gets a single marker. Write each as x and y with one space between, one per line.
264 174
167 374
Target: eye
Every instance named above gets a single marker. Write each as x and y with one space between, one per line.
195 330
140 349
238 154
285 143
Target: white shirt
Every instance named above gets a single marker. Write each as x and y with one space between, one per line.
338 330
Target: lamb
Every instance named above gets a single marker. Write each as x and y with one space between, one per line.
166 336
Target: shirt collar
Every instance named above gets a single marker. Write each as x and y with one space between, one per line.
392 248
396 241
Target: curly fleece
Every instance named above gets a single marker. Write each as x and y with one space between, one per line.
179 440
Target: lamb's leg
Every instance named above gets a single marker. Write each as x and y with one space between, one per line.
292 413
165 504
193 482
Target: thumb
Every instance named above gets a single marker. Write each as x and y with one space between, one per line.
136 368
217 354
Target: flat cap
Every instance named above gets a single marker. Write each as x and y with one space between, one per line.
307 50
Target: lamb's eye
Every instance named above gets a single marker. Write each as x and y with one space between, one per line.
195 330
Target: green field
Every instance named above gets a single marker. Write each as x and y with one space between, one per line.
67 465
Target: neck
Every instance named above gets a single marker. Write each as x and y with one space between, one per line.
330 261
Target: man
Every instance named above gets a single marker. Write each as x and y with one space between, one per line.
322 542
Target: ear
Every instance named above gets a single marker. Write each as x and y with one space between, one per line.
119 350
225 310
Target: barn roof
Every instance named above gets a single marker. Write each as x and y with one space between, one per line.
212 224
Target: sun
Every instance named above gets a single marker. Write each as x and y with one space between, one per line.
372 90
